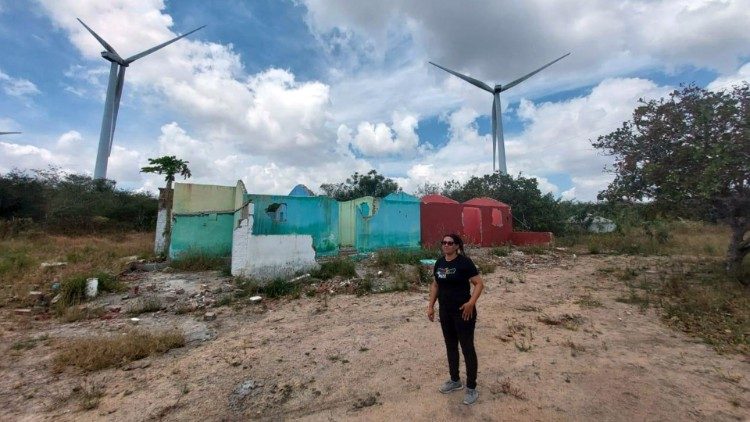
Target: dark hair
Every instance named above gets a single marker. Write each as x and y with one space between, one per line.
458 241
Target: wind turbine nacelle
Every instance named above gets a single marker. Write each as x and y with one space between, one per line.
114 58
498 88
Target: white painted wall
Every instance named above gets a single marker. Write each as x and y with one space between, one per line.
269 256
160 242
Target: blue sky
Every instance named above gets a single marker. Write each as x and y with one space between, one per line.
309 91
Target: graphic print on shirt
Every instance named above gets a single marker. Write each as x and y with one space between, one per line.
445 272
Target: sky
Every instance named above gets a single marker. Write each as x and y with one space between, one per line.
281 92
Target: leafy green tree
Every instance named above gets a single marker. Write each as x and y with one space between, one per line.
168 165
359 185
688 152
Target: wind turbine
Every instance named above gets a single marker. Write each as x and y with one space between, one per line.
498 147
114 92
9 133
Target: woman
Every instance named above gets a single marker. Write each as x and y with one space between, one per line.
454 273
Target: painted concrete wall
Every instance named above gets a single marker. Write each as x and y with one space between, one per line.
317 216
394 223
349 213
160 242
162 217
192 198
439 216
209 233
266 257
479 221
301 190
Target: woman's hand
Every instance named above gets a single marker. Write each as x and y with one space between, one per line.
468 310
431 313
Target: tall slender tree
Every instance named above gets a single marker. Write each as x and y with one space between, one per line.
168 165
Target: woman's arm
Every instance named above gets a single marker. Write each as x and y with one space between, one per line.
433 298
468 307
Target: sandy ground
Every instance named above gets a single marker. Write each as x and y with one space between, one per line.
377 357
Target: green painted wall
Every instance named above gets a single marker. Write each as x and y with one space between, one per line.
317 216
395 224
208 233
349 213
193 198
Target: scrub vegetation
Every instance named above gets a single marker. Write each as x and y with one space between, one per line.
100 352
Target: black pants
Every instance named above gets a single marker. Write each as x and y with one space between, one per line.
455 331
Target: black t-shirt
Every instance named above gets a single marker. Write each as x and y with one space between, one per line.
453 281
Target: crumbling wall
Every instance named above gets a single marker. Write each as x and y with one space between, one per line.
161 243
265 257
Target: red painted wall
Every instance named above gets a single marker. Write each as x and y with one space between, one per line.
438 216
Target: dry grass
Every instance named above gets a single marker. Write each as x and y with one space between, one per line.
506 387
21 257
670 238
571 322
95 353
588 301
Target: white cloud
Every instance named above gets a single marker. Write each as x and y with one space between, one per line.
69 140
17 87
728 81
379 140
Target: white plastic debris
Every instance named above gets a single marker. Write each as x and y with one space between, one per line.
255 299
92 287
135 321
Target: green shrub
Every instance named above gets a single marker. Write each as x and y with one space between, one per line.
388 257
198 260
339 266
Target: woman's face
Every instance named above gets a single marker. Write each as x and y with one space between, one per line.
448 246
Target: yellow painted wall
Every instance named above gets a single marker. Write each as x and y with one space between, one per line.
194 198
348 213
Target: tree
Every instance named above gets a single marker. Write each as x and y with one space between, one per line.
686 152
359 185
170 166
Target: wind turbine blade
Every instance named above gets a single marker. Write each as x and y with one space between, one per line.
98 38
501 167
523 78
9 133
118 95
468 79
494 131
162 45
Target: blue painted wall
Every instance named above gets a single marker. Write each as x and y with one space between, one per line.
206 233
317 216
395 224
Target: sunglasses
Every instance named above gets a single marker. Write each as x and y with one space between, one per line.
448 242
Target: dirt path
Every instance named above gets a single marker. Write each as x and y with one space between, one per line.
377 357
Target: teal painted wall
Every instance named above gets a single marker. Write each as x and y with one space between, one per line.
317 216
208 233
394 225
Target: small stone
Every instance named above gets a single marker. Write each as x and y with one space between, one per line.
135 321
179 291
209 316
204 286
255 299
23 311
53 264
170 298
114 309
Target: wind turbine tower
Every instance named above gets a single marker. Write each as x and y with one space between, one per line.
114 93
498 141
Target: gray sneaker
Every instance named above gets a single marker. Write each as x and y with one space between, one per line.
471 396
450 385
